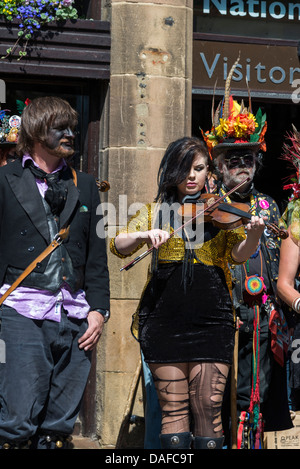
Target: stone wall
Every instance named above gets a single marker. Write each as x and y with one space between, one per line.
150 106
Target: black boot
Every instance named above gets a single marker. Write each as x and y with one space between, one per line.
175 440
6 444
205 442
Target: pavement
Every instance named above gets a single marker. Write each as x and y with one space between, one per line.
80 442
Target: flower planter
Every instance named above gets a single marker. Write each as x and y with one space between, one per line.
75 49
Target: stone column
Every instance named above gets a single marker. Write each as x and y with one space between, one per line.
150 106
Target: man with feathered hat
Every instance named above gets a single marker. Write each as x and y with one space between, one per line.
235 142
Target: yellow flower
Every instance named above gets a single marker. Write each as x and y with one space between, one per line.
222 128
252 117
240 128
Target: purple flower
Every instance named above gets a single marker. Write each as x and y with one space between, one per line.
67 3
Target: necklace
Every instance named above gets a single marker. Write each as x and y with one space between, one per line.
241 195
254 284
256 289
253 202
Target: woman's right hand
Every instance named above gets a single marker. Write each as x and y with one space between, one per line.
127 242
155 237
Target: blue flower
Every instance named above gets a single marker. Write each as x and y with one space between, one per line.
32 14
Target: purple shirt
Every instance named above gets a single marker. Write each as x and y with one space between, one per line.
43 304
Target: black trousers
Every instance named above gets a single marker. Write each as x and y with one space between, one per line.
43 375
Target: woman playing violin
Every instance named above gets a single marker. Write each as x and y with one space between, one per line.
185 322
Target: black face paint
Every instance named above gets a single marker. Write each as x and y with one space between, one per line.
247 160
60 142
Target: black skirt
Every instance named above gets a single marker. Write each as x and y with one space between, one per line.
195 323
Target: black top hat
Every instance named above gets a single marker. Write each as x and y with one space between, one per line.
227 146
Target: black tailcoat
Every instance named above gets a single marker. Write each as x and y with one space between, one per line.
24 230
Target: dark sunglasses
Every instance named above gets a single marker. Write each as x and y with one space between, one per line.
239 161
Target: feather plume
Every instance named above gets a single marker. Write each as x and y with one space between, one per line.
227 88
213 104
243 110
291 150
217 115
249 95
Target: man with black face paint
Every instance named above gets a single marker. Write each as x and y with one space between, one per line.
52 321
235 140
261 384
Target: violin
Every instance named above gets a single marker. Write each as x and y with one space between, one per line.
103 186
215 211
226 216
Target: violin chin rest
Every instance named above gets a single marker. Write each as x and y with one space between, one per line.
191 199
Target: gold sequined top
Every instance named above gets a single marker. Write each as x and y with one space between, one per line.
215 252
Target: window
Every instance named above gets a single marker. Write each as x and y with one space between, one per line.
89 9
86 97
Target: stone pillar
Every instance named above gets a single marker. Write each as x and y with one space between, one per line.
150 106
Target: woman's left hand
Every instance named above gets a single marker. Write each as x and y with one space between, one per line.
256 226
242 251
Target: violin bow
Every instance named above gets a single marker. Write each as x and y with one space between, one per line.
146 253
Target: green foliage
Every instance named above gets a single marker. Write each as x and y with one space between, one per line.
31 15
260 120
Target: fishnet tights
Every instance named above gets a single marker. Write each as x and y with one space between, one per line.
187 389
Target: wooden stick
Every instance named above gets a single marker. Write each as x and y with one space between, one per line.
129 405
233 391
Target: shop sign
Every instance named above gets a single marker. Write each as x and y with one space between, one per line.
252 9
267 68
